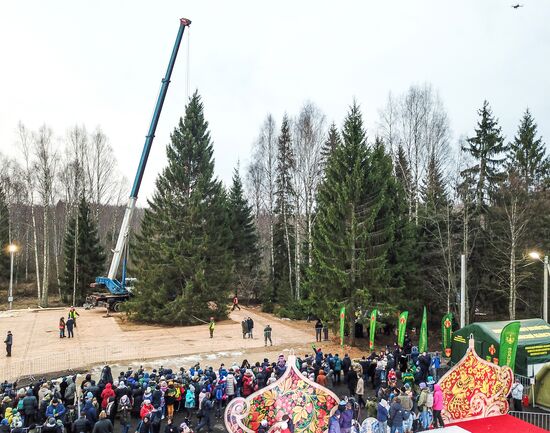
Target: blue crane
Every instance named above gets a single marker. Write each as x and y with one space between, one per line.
118 288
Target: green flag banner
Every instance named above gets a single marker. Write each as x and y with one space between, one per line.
342 323
509 344
423 340
402 327
372 331
447 333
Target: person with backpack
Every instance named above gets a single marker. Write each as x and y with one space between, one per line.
425 403
406 398
396 416
82 424
219 394
438 406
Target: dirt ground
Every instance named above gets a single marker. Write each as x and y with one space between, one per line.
37 348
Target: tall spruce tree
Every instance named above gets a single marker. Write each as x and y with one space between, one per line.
182 257
333 140
527 154
4 237
90 255
404 176
487 148
283 235
352 230
244 245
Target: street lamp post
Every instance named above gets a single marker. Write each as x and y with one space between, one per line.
536 256
12 248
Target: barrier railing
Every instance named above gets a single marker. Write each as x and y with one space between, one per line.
541 420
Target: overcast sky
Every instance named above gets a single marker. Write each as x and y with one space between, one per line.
67 62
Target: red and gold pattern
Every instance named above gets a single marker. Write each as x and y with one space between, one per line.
475 388
309 404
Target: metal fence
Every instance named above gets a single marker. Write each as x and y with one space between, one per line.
541 420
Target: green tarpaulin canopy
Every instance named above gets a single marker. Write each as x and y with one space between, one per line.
533 346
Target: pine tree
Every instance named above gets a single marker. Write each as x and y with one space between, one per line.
487 148
244 245
353 226
182 257
90 256
433 191
283 237
404 177
4 237
333 140
527 154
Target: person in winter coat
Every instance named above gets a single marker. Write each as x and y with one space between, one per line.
104 425
438 406
147 409
106 375
70 327
189 401
70 391
230 385
125 413
248 383
360 390
321 378
55 410
90 410
171 427
406 398
346 418
30 407
144 425
62 327
351 379
82 424
334 423
382 415
206 420
110 410
50 426
337 368
106 394
396 416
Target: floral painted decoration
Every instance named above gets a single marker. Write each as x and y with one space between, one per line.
475 388
309 404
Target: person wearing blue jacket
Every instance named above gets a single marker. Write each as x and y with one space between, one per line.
334 423
55 410
90 411
382 416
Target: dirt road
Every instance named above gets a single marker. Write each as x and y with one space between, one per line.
38 349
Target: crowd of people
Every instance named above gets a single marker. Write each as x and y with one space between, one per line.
401 395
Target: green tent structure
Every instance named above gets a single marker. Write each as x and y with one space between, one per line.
542 386
533 346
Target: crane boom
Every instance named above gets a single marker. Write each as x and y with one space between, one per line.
110 281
